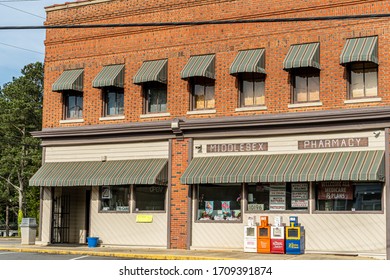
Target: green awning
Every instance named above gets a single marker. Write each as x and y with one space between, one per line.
199 66
308 167
110 76
304 55
69 80
152 71
249 61
97 173
360 49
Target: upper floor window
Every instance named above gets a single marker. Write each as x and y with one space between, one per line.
155 97
360 57
249 68
202 93
111 82
70 84
200 72
113 101
305 85
303 63
363 80
251 86
73 105
152 75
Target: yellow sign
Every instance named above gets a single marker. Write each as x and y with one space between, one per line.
144 219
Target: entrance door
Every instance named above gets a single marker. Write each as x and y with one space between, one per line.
87 211
60 218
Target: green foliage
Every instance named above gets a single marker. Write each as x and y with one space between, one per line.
20 153
20 218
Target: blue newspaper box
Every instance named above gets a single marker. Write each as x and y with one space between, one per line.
295 237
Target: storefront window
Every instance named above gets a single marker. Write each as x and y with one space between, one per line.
219 202
114 198
348 196
149 198
278 196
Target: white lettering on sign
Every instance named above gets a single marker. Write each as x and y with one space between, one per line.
333 143
237 148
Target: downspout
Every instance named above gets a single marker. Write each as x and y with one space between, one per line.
190 193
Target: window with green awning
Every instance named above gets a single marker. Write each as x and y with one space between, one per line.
98 173
363 49
354 166
199 66
302 55
69 80
110 76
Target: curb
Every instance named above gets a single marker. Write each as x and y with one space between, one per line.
112 254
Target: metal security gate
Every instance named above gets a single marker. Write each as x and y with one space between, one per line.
61 217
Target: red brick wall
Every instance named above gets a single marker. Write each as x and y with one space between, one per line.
179 196
94 48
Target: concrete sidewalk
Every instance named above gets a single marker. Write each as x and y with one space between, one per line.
162 254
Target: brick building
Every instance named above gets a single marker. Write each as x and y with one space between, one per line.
172 136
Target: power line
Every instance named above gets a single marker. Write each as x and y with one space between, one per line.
22 11
20 48
192 23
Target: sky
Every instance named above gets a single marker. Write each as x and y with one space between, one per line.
21 47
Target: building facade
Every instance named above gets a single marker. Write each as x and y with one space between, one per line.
173 136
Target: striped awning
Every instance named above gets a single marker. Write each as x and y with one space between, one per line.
199 66
110 76
249 61
360 49
354 166
304 55
152 71
69 80
97 173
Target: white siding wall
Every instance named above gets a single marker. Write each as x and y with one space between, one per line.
46 215
122 229
124 151
330 233
289 144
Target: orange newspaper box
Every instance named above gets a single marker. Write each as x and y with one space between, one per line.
264 236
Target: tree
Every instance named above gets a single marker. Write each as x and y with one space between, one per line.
20 153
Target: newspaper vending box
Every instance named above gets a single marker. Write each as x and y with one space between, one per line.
250 239
278 236
295 237
263 236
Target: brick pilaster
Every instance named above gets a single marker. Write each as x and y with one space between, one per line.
179 196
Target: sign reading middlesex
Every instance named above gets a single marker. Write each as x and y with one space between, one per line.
238 147
333 143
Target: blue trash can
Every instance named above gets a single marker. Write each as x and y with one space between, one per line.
92 242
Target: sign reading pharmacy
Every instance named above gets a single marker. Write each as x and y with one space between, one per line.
237 147
333 143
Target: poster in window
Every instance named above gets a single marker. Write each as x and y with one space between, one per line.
225 206
209 207
277 197
106 193
299 187
300 195
335 190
